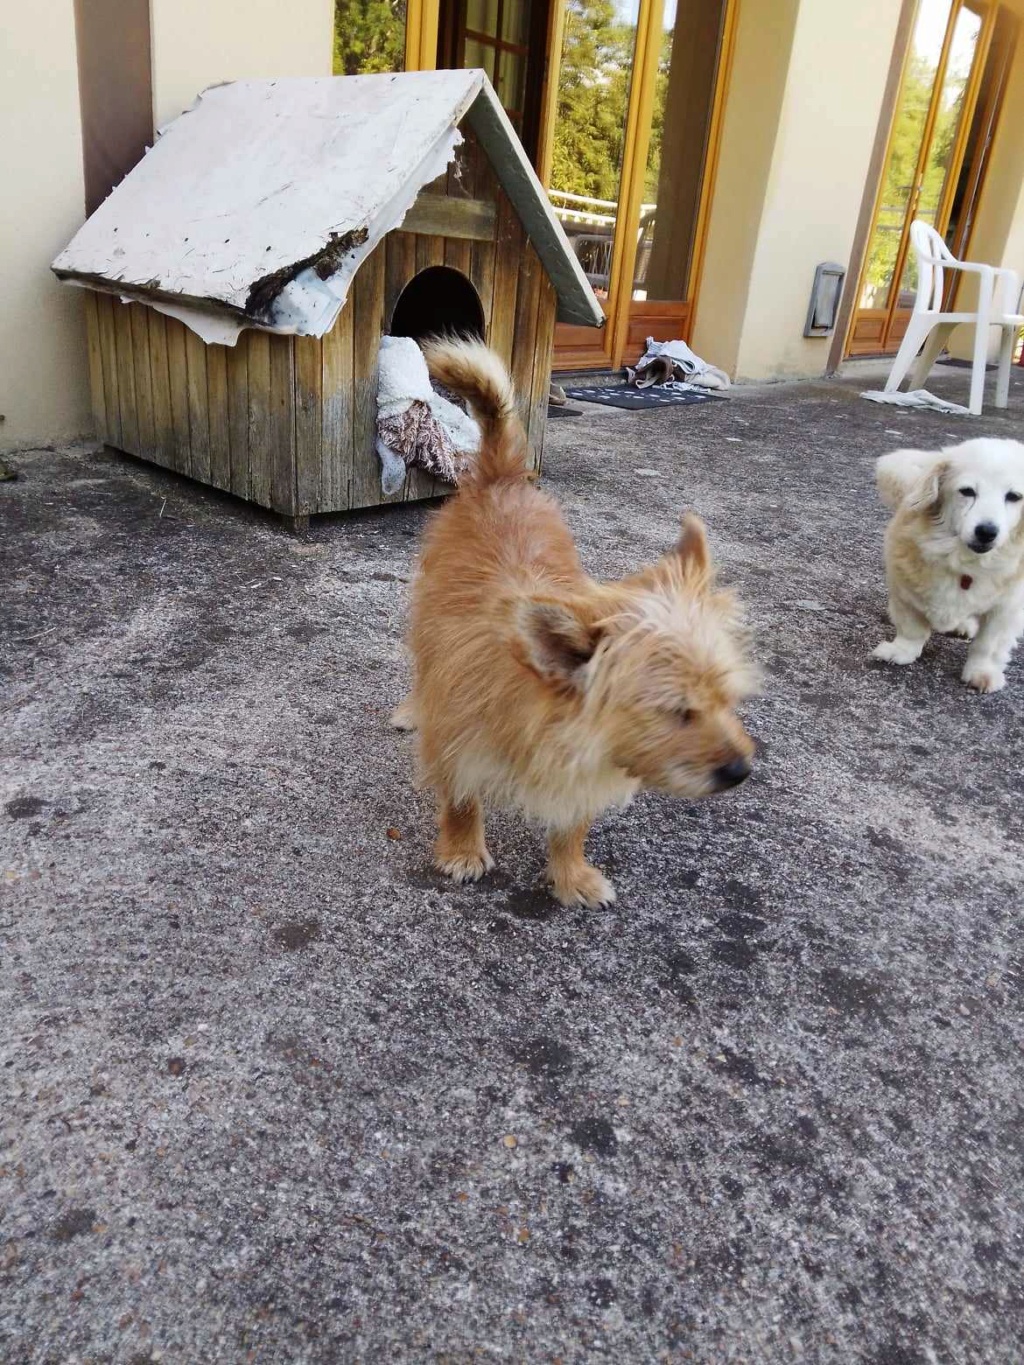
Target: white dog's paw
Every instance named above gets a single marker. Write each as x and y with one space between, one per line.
984 677
966 630
465 867
896 652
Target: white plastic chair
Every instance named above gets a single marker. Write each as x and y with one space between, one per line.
998 306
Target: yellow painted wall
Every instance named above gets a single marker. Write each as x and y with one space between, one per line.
43 381
197 43
764 37
800 123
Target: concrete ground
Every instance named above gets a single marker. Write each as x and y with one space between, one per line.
273 1091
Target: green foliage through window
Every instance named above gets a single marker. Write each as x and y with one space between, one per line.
369 36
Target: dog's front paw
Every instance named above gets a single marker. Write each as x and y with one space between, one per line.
966 630
984 677
465 867
896 652
583 885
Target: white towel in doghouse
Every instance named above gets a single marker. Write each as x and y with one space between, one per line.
415 424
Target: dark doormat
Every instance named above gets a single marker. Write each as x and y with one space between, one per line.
620 396
960 364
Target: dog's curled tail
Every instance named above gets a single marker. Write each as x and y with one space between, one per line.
476 373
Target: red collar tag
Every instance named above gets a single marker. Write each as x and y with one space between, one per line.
965 581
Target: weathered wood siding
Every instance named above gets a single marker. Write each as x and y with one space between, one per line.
289 422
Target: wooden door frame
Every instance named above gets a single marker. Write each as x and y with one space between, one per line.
422 18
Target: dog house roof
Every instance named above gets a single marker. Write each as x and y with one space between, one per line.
256 207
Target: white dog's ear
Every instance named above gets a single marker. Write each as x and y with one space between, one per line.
926 493
901 471
556 642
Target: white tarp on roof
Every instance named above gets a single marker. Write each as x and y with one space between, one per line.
258 205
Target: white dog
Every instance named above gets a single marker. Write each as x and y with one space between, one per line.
954 552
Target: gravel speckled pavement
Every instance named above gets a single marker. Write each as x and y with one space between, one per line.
272 1091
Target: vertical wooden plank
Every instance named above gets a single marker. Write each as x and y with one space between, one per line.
108 351
92 340
481 275
525 331
282 423
177 372
458 254
260 447
542 353
198 406
368 324
429 251
400 255
238 413
220 436
160 388
308 429
138 316
507 260
336 413
485 181
126 378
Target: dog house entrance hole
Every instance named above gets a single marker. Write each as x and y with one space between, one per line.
436 301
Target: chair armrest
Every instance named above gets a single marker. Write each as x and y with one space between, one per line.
972 266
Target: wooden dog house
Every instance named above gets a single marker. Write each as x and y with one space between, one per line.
241 277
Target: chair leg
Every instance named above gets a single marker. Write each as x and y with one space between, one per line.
917 330
1005 361
937 338
978 366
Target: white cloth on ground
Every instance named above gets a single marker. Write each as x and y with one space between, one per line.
917 398
682 368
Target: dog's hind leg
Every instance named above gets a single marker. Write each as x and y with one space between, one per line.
403 717
573 880
461 850
912 631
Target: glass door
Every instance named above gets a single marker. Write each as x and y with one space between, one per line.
925 155
587 185
680 162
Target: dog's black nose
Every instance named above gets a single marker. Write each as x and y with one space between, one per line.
732 774
985 532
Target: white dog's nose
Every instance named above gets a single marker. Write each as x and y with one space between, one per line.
984 534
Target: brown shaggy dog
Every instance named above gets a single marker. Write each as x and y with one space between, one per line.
538 687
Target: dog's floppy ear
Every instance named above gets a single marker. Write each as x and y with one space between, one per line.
556 642
900 471
926 494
